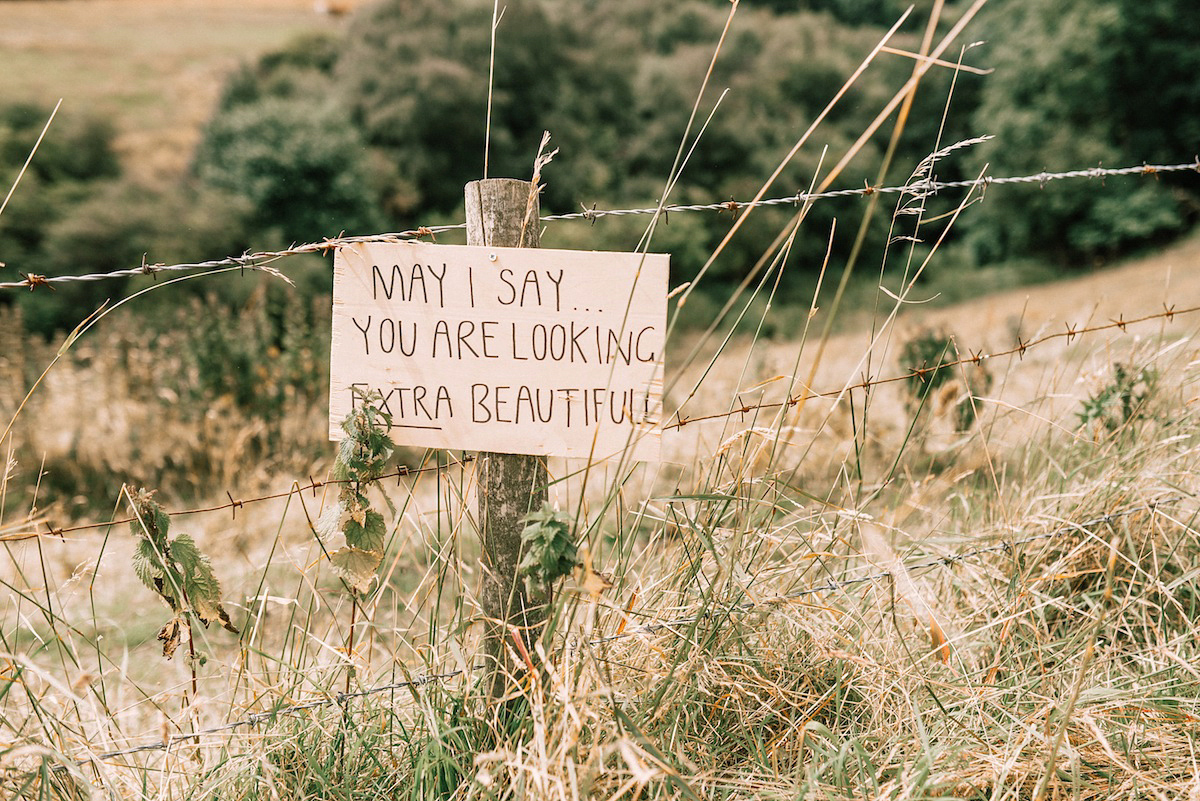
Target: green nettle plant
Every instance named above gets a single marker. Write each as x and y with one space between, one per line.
362 457
178 572
549 551
1121 401
935 379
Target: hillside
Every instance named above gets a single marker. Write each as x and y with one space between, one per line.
154 67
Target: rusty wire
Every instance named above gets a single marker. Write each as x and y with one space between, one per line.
1168 313
921 188
233 504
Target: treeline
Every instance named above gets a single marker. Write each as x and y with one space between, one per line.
379 128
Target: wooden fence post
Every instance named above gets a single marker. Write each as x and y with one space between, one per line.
510 486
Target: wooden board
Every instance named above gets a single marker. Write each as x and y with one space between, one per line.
534 351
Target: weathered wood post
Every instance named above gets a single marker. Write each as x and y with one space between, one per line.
509 486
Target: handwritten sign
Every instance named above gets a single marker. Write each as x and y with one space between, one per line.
533 351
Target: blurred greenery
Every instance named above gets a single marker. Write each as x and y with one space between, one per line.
380 125
1081 83
298 165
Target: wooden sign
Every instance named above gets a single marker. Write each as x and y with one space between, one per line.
532 351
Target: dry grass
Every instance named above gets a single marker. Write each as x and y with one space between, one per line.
779 624
818 696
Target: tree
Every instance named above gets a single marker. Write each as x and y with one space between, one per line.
1063 96
300 166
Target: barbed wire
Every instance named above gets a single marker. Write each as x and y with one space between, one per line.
234 504
401 472
976 358
267 716
922 188
258 260
667 626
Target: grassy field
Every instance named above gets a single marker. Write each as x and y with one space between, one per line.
979 587
1067 661
154 67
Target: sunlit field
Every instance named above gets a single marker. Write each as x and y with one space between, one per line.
896 548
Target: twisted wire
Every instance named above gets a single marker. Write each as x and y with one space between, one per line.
924 187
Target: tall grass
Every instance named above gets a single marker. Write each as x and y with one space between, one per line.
778 611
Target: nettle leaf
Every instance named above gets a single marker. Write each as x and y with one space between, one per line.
549 551
201 585
362 456
176 570
367 534
356 567
150 519
148 565
157 573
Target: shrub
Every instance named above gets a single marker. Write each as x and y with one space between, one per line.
299 165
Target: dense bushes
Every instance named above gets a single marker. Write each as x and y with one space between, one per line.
298 165
614 82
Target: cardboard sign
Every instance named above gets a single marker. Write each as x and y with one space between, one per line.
550 352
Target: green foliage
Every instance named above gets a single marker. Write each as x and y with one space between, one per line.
74 213
75 148
362 456
300 69
1121 400
936 380
298 164
176 570
614 83
879 13
548 551
925 354
74 164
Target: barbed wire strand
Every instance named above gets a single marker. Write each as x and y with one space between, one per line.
1168 313
234 504
922 188
668 626
268 715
